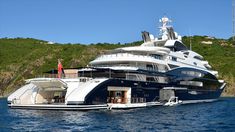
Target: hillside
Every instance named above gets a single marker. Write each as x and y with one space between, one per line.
23 58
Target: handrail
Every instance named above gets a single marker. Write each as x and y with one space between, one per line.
68 75
122 100
117 100
126 55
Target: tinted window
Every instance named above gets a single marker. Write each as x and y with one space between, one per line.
179 46
172 66
174 58
197 57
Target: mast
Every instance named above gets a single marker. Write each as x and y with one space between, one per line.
165 21
190 40
233 17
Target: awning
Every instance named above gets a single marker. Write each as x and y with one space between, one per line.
49 84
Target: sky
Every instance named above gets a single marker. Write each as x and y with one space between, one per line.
111 21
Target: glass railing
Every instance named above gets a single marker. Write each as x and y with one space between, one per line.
67 75
128 55
122 100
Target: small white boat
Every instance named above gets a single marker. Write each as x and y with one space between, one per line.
173 101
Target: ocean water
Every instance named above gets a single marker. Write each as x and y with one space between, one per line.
216 116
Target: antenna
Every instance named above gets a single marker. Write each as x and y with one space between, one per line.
190 40
233 6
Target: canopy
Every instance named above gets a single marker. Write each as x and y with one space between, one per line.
49 84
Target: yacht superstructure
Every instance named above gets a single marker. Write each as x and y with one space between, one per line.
155 73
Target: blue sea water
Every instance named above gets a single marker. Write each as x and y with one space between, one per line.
216 116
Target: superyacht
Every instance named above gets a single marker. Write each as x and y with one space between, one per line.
161 71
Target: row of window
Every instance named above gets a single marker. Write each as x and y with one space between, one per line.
159 57
140 77
192 73
175 59
192 83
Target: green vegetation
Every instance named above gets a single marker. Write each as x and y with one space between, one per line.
23 58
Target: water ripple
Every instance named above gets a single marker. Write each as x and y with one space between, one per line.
216 116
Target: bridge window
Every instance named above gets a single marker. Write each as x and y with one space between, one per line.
174 58
179 46
172 66
156 56
198 58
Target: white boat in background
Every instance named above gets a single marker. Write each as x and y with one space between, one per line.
173 101
161 71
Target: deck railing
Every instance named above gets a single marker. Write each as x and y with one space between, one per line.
127 55
68 75
122 100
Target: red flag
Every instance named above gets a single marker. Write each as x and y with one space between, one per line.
60 69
